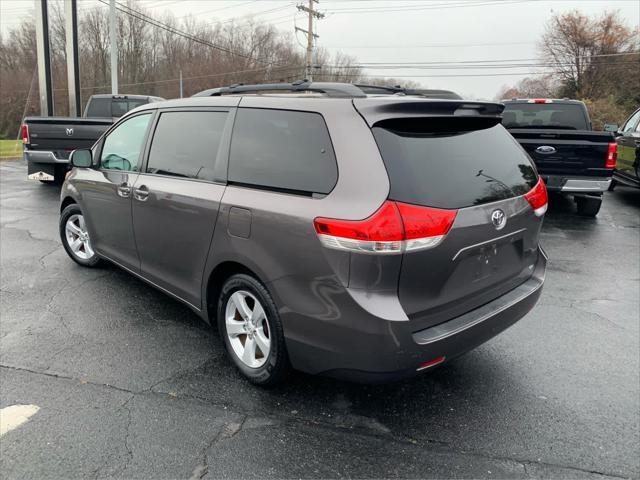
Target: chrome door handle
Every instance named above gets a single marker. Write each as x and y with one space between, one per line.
124 190
141 193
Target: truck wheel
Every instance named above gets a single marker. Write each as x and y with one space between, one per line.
588 206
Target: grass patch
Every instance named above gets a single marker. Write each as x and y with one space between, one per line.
10 148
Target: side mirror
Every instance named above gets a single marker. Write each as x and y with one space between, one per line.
81 158
610 127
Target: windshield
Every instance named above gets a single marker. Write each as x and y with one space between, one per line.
544 115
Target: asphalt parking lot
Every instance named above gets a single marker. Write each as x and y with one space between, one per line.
130 384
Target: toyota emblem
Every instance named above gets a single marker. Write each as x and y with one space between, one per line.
499 219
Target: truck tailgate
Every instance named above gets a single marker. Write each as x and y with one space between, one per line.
61 135
566 152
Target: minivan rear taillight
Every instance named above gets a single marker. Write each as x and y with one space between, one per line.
394 228
24 132
612 155
537 198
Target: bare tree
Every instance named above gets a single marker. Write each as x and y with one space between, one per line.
581 50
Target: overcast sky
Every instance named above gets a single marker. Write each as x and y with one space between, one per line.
399 31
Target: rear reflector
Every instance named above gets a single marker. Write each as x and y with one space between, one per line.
537 198
612 156
431 363
24 132
394 228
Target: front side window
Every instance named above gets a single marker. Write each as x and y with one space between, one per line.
282 150
631 123
123 146
185 144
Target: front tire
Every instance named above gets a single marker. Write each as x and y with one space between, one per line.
588 206
75 237
251 330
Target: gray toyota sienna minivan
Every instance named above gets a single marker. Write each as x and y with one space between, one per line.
364 237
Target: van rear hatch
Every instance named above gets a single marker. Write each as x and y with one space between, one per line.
456 156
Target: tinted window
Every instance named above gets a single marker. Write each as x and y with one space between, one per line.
282 150
109 107
544 115
120 107
122 147
453 169
185 144
99 107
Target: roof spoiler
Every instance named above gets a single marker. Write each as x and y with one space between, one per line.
375 111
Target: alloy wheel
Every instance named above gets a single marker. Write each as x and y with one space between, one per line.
77 237
247 329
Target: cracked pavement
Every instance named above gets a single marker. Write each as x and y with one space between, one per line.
131 384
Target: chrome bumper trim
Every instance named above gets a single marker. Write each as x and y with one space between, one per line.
582 185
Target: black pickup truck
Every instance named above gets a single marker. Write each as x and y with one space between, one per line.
569 155
48 141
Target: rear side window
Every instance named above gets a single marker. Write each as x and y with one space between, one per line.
99 107
282 150
110 107
568 116
120 107
433 164
185 144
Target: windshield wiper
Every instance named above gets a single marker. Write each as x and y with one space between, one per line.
548 127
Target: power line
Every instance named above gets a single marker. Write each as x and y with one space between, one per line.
156 23
433 45
413 8
493 61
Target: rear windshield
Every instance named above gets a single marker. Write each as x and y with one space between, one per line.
109 107
544 115
434 165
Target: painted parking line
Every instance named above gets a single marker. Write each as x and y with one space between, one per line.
15 415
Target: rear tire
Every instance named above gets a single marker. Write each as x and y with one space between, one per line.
588 206
248 318
612 185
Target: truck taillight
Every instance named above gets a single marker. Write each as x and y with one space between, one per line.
612 155
537 198
394 228
24 132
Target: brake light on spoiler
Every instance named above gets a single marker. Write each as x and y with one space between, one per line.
538 198
394 228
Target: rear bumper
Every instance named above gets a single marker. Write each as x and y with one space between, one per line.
392 351
43 165
559 183
39 156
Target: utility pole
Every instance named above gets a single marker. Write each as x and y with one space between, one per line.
181 91
44 58
73 70
114 47
310 35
